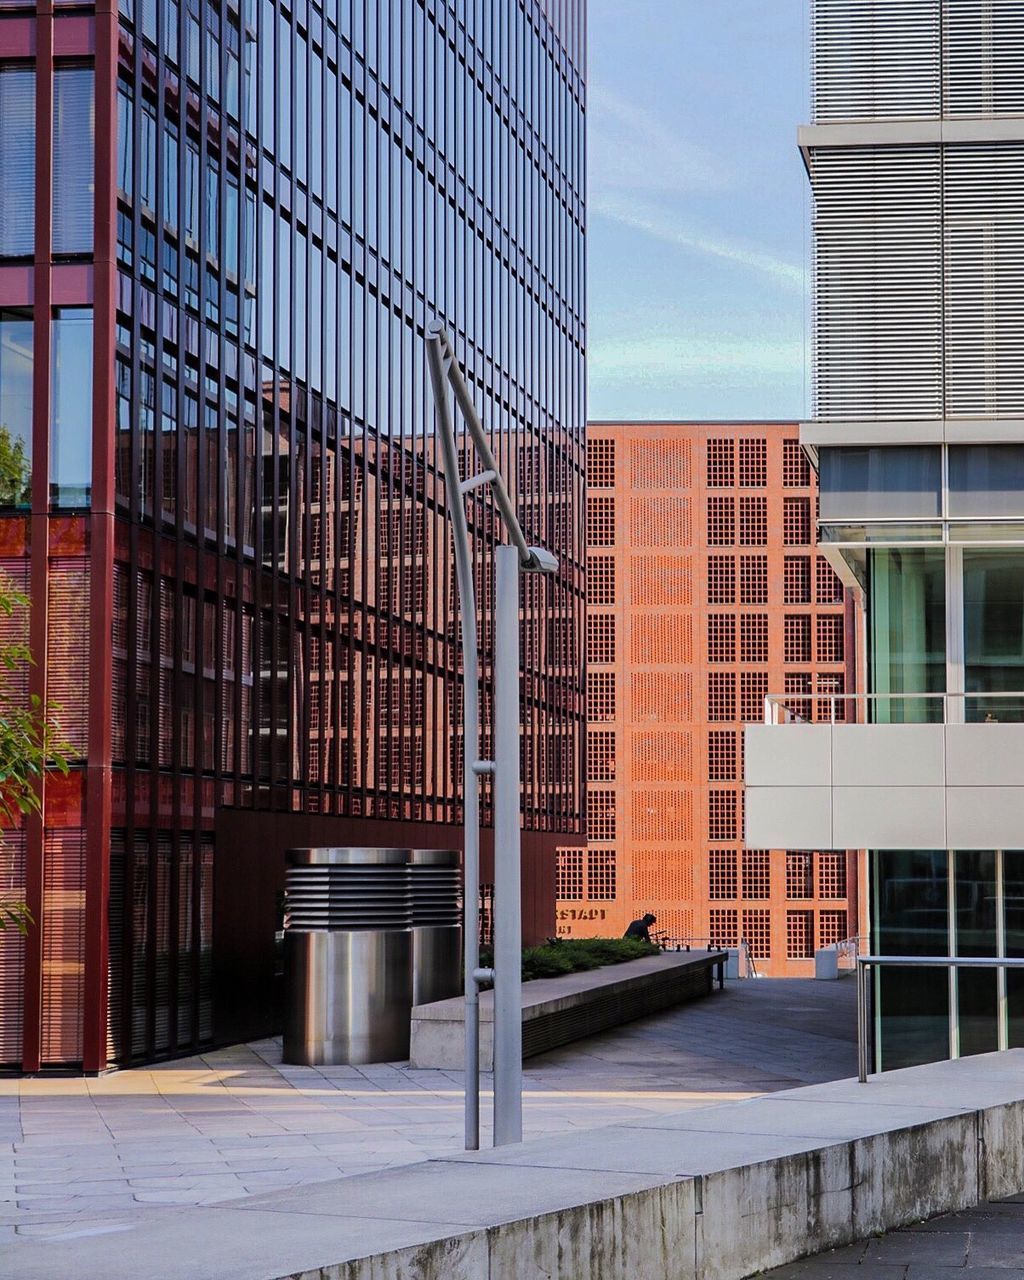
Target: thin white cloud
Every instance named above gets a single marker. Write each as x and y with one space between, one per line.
667 227
633 149
685 358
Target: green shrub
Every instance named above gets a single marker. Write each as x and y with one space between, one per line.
575 955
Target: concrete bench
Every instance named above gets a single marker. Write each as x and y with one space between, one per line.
557 1011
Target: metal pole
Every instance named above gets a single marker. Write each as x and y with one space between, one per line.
1002 1002
862 1022
508 1016
436 357
444 370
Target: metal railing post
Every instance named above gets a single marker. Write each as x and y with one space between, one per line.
862 1021
508 996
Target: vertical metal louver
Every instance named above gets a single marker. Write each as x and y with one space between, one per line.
983 57
14 630
12 951
115 949
878 282
876 58
63 945
983 237
68 649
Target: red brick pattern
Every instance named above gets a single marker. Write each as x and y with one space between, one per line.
705 593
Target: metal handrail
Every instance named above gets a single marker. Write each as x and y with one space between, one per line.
742 945
777 712
847 946
866 963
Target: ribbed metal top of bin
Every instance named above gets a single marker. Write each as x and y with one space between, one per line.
434 857
348 856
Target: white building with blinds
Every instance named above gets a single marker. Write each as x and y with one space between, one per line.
915 157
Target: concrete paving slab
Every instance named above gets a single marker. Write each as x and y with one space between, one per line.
934 1248
783 1115
447 1191
992 1246
927 1271
623 1149
223 1245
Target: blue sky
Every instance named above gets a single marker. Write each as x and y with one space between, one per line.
697 209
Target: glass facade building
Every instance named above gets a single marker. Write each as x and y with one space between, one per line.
223 229
916 162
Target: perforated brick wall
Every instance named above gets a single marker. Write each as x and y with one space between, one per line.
705 593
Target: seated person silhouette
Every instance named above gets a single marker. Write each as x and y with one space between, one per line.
641 928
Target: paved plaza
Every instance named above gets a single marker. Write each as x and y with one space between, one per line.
77 1155
986 1243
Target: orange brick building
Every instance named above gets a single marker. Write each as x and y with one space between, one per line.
704 593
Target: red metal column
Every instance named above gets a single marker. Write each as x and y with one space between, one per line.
38 533
98 773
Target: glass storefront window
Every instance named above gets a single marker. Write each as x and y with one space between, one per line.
930 902
907 633
71 422
994 632
15 409
910 897
1013 918
975 894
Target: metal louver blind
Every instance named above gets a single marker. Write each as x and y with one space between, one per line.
74 163
14 572
876 58
12 951
63 945
983 58
115 949
68 649
984 273
878 282
17 162
206 853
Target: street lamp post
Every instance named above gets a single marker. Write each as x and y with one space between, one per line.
510 558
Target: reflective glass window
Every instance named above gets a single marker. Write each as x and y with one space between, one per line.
171 177
1013 916
147 157
986 480
880 483
994 632
907 633
125 140
975 893
74 128
17 161
910 896
71 422
191 191
15 408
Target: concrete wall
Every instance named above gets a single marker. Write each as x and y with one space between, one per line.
899 786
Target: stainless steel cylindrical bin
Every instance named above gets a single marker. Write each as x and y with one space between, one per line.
348 956
436 882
